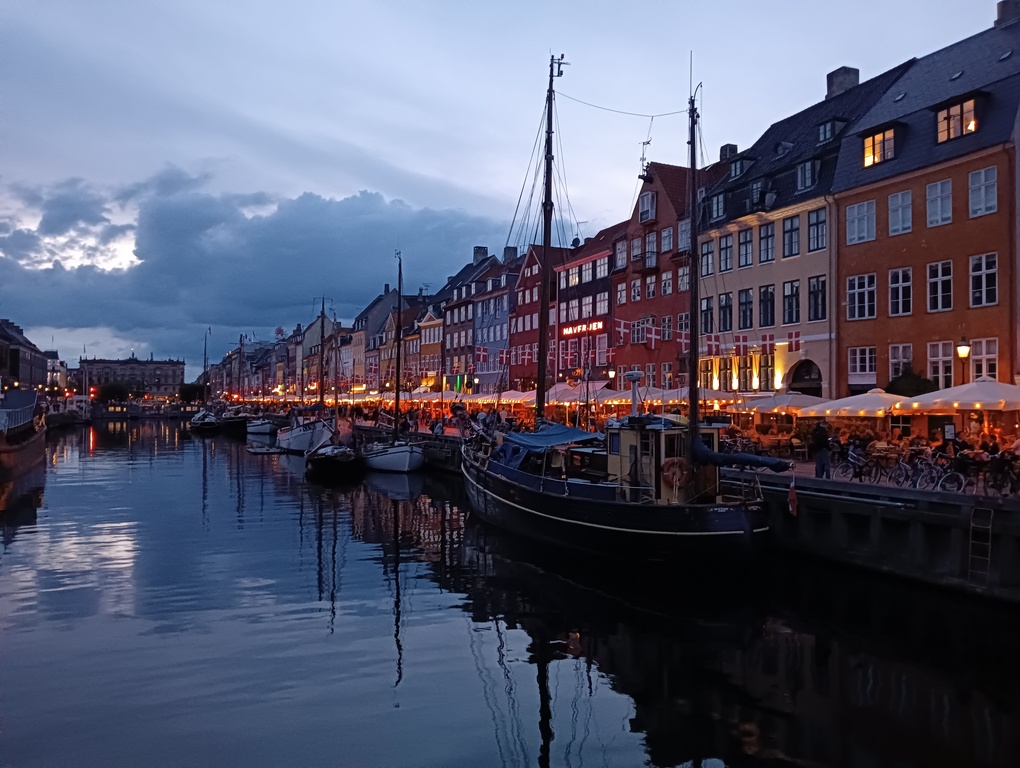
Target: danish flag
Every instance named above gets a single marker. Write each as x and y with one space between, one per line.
551 357
504 356
373 367
622 331
525 354
471 368
768 343
740 346
654 334
481 354
456 368
684 340
793 338
712 345
610 354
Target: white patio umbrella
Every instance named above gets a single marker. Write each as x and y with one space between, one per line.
981 394
623 397
874 403
682 395
787 402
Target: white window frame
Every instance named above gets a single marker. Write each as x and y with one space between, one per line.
666 240
984 358
666 287
635 290
900 356
861 296
901 219
939 196
984 280
984 197
602 303
621 294
943 277
941 361
860 222
901 292
602 267
862 361
587 270
650 286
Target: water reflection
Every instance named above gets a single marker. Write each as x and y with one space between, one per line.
169 586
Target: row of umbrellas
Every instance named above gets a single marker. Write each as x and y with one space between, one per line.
980 394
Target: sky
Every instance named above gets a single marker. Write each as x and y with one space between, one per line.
171 168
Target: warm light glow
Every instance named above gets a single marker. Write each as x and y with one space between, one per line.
735 381
963 349
778 379
612 373
715 382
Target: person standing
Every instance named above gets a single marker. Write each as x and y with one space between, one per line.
820 442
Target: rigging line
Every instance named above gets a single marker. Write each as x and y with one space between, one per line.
510 688
619 111
524 183
561 169
489 698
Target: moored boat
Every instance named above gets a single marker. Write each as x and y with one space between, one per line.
205 422
262 426
333 463
396 456
22 433
301 437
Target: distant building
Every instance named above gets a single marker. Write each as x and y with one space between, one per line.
21 361
158 378
56 369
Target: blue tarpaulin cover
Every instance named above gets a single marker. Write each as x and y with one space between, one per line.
549 436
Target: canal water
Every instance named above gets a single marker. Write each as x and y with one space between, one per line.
176 601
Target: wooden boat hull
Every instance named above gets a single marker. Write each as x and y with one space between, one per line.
558 512
262 427
395 458
19 457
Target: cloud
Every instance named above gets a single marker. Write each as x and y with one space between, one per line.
239 262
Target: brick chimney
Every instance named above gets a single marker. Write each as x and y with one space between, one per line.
726 151
481 254
1008 13
509 253
842 79
386 288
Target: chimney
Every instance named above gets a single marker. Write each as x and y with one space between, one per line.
386 288
421 291
509 253
481 254
1008 13
842 79
727 151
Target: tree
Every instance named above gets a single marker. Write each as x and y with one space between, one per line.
191 393
910 384
114 392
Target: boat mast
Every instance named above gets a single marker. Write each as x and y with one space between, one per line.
544 294
322 345
396 384
694 322
205 368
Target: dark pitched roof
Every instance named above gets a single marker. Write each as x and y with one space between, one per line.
15 335
795 140
910 107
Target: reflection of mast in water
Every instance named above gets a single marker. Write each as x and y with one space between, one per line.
205 485
540 655
395 509
336 548
240 486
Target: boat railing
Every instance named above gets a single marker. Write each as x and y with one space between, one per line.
13 418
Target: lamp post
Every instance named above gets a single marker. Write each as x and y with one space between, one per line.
963 352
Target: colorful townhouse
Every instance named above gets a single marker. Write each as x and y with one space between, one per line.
766 258
523 341
926 194
494 300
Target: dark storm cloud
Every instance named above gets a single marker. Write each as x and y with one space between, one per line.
69 205
206 260
170 181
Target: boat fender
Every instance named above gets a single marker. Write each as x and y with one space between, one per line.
674 472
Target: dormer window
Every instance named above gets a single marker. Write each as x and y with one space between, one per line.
737 167
807 175
646 207
957 120
782 148
826 131
756 187
878 148
718 206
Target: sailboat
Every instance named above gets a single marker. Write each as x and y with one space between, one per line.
397 455
649 490
303 436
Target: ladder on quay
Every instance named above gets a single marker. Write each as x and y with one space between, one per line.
980 556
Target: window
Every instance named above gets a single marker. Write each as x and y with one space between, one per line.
756 187
563 281
666 240
667 375
791 236
683 235
651 247
736 168
587 303
955 121
766 243
707 260
766 306
816 230
639 331
878 148
726 373
984 358
900 219
791 302
635 289
983 196
667 327
650 286
983 281
860 222
646 207
650 369
940 203
683 323
860 297
862 360
817 300
620 256
718 206
683 278
602 267
744 373
667 283
575 276
726 253
900 292
706 372
745 309
586 271
621 294
707 323
745 257
573 312
602 303
766 373
940 286
940 363
901 358
806 175
725 312
635 249
826 131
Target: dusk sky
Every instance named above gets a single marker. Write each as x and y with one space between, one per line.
169 167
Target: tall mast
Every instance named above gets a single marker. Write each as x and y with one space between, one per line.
322 345
693 387
396 385
205 368
555 70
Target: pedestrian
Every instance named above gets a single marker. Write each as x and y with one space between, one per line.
820 442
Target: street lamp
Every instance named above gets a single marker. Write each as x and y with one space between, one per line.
963 352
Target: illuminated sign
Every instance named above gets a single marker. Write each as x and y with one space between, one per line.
573 330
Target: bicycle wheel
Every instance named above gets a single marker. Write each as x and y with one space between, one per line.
843 471
928 477
872 472
953 482
900 475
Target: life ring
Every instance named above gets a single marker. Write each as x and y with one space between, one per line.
674 472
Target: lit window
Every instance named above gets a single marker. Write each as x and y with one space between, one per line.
957 120
878 148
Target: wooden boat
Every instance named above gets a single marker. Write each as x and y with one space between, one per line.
262 426
205 422
334 463
22 433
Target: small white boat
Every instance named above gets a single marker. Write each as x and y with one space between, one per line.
399 456
301 438
261 427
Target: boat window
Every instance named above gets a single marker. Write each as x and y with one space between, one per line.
647 444
672 446
614 442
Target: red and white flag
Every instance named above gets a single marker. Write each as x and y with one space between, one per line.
712 345
654 334
456 369
471 368
768 343
793 338
740 346
525 354
610 354
481 354
622 331
504 356
683 338
791 497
